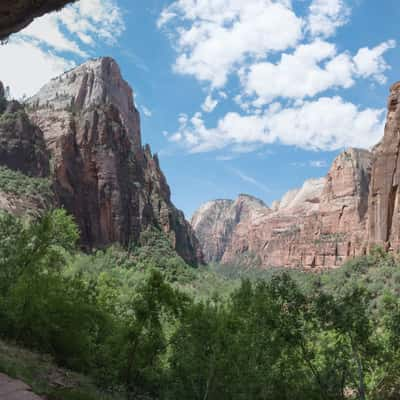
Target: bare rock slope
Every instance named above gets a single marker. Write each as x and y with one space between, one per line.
215 223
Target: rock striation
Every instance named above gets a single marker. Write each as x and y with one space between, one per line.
100 171
384 207
215 223
317 226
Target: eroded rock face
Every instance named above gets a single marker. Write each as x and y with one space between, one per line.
384 208
319 225
102 175
216 221
22 145
17 14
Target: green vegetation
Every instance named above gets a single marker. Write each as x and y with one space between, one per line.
140 324
9 118
15 182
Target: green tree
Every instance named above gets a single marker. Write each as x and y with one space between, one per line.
346 321
142 340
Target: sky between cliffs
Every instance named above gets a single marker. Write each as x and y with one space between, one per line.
236 96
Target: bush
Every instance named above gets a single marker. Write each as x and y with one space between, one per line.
18 184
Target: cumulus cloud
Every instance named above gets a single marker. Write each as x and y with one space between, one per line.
325 16
312 69
370 62
300 74
284 62
324 124
221 34
48 44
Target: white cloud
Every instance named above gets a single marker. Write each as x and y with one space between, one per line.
300 74
43 65
324 124
312 69
209 104
47 30
44 45
78 25
222 34
216 38
370 62
283 62
325 16
99 18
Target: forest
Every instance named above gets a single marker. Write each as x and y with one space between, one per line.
141 324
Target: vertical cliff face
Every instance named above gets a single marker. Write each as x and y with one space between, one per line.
22 145
319 225
102 175
216 221
384 217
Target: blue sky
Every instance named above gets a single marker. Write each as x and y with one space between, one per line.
236 96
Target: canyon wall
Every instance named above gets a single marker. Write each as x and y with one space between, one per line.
319 225
326 222
215 223
384 209
100 172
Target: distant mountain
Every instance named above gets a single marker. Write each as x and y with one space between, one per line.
319 225
215 223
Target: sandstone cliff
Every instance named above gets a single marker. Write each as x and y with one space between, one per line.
319 225
216 221
100 172
384 208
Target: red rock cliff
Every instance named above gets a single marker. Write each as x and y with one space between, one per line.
320 225
384 208
102 175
